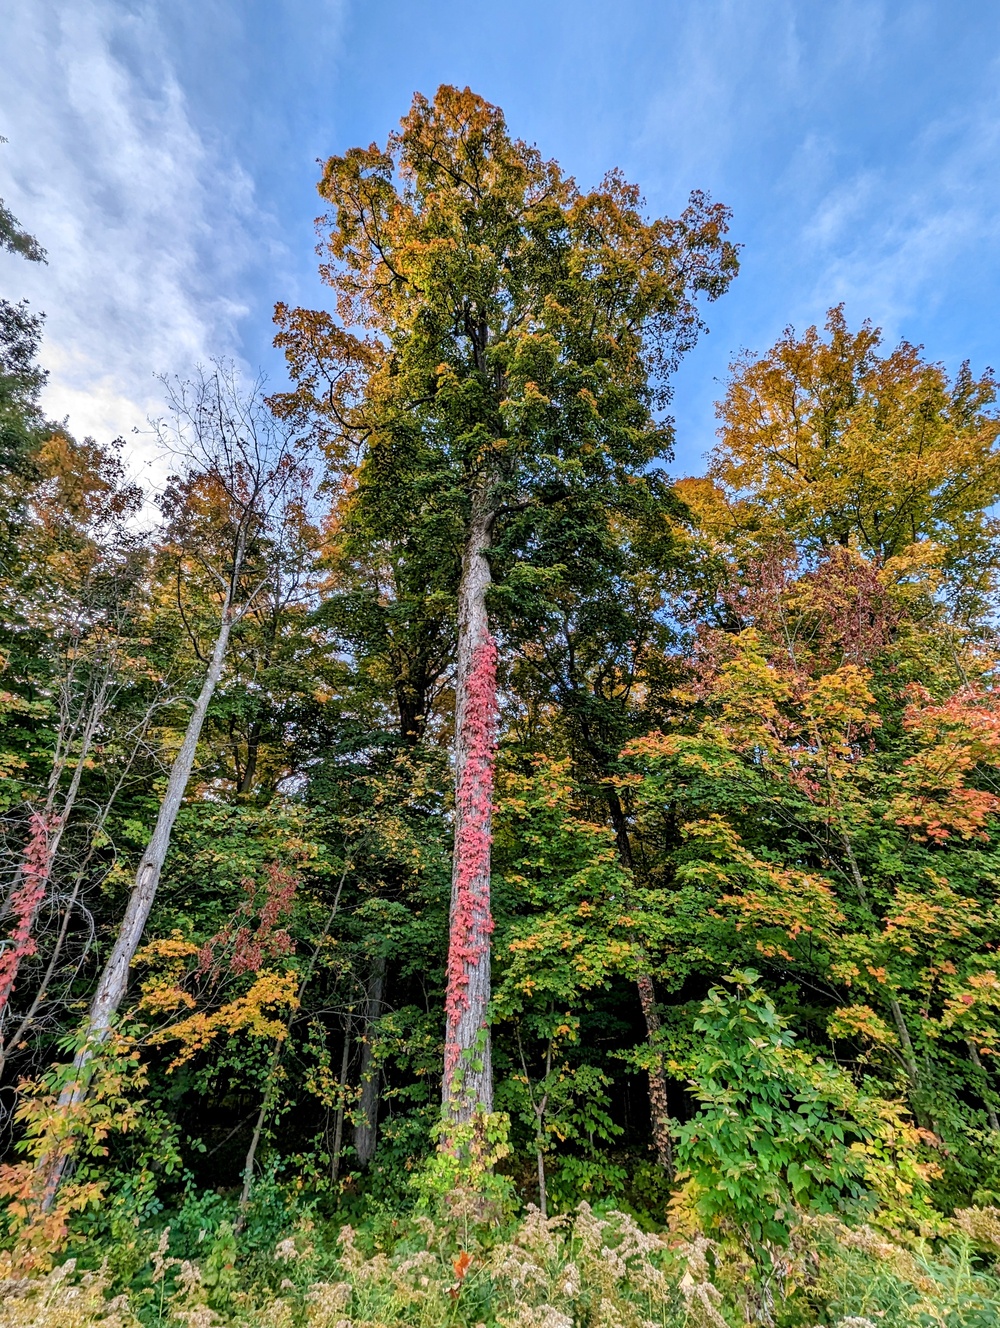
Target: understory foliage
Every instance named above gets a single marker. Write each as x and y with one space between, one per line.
584 1267
732 796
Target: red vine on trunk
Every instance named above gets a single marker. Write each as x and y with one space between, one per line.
25 902
472 921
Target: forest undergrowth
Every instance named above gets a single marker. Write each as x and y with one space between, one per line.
588 1267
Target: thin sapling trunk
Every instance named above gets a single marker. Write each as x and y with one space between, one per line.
659 1108
274 1063
338 1127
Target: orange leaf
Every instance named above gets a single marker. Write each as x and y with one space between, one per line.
461 1264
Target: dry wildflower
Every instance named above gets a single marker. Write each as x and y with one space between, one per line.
469 1204
569 1281
864 1238
599 1265
612 1263
423 1264
376 1269
635 1249
56 1300
701 1300
538 1234
199 1316
160 1261
326 1302
589 1231
702 1297
513 1265
187 1303
285 1250
901 1261
350 1256
189 1275
981 1225
540 1316
279 1314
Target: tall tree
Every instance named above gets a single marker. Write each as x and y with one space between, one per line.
828 440
501 344
223 513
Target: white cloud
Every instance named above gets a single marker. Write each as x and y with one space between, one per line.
893 241
143 223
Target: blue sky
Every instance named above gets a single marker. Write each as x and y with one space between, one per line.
165 154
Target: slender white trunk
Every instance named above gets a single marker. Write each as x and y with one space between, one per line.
468 1071
113 981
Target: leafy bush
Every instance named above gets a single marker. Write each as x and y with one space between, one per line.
778 1130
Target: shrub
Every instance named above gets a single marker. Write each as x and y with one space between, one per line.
778 1131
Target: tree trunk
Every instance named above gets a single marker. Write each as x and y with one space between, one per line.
987 1096
258 1130
658 1108
271 1077
468 1072
364 1131
659 1112
113 981
246 779
909 1057
620 827
338 1131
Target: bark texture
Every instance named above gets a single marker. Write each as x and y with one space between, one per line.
114 978
658 1107
468 1071
365 1129
113 981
